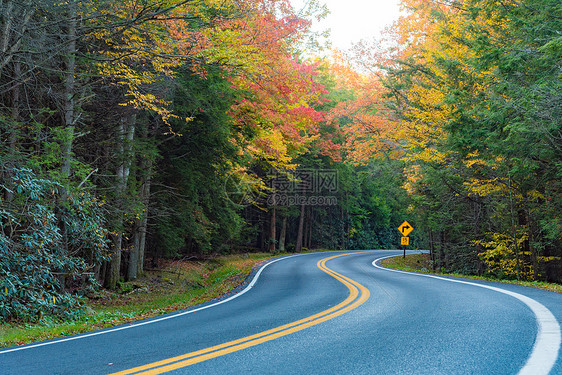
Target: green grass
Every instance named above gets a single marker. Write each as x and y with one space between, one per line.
422 263
177 285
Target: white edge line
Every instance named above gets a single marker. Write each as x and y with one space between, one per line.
173 315
547 344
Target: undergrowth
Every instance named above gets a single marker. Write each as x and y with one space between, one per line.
422 263
175 285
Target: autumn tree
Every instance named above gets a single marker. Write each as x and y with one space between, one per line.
462 89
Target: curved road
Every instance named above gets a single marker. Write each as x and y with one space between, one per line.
326 313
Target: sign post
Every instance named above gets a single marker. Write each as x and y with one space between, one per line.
405 228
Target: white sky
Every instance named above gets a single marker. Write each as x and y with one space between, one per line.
353 20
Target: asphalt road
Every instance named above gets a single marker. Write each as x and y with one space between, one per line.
307 315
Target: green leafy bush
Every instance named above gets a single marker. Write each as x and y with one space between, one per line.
47 248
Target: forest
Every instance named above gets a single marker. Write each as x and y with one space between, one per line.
139 130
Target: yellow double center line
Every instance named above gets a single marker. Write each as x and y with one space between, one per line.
352 301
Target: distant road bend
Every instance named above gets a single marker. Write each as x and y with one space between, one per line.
326 313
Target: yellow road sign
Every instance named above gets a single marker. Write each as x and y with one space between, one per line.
405 228
404 241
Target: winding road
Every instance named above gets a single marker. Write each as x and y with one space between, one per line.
326 313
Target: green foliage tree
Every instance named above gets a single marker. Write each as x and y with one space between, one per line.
193 212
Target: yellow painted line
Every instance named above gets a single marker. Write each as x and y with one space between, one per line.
350 303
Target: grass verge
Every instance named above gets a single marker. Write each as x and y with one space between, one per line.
422 263
175 285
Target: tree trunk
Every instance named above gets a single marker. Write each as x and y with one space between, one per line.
441 262
298 247
305 227
513 229
13 133
69 103
342 229
272 234
532 229
122 176
283 234
432 251
260 239
143 230
526 247
15 26
136 256
309 243
478 234
133 263
69 95
140 242
114 268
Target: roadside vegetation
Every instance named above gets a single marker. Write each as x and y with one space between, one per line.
422 263
179 284
174 285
